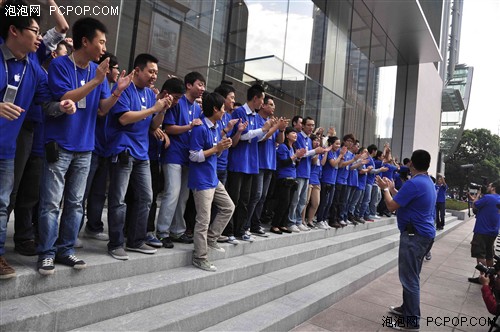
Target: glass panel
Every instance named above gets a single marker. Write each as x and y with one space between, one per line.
299 34
386 95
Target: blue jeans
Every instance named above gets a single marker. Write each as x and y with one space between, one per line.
356 195
95 193
6 185
259 189
325 201
66 176
298 202
376 195
139 174
364 207
412 250
345 204
173 202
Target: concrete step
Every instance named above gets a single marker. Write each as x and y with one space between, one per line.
102 267
147 282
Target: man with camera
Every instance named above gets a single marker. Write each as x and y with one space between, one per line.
487 225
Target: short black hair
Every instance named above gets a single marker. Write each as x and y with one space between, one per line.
192 77
210 101
174 85
307 118
349 136
379 153
295 119
267 98
64 43
142 60
224 90
332 139
19 21
371 148
113 60
86 27
421 160
406 161
255 90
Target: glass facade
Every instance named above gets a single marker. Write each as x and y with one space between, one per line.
318 58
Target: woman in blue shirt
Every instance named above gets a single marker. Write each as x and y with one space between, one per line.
286 184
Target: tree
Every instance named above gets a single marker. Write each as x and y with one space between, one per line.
480 148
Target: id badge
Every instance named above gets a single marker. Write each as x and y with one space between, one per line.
82 103
143 107
10 94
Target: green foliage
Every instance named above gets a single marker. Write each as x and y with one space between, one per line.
452 204
478 147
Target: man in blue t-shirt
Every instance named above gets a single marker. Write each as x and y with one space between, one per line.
415 202
487 225
135 113
178 124
441 188
205 145
69 141
22 82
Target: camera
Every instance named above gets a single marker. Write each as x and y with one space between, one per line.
480 187
489 271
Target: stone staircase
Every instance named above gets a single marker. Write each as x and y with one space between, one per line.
274 283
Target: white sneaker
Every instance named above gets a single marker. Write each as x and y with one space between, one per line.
304 228
232 240
374 217
293 228
326 225
322 225
343 223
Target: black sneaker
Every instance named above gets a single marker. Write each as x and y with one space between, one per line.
46 266
167 242
260 232
182 239
72 261
396 310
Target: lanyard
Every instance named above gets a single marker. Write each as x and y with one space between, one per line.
76 73
139 96
7 72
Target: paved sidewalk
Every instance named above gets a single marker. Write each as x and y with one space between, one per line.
445 294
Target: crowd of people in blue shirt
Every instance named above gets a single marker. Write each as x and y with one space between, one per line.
76 131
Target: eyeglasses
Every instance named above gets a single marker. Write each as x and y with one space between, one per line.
116 67
36 31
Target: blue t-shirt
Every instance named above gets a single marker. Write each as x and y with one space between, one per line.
390 172
417 201
222 159
329 173
488 215
32 87
316 170
243 157
283 153
304 167
100 147
362 179
74 132
181 114
352 177
134 136
343 172
267 148
441 193
370 178
203 176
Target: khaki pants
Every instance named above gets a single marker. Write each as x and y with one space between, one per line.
312 202
202 232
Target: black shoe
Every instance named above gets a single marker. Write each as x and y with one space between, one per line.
388 214
71 260
45 266
260 232
350 217
335 224
396 310
26 248
182 239
276 230
285 230
474 280
167 242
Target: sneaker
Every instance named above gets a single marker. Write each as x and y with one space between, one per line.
101 236
246 237
78 243
118 253
46 266
342 223
231 239
303 228
6 271
223 239
204 264
72 261
368 219
428 256
293 228
26 248
182 239
152 241
260 232
311 226
359 220
322 225
353 222
166 242
396 310
215 246
143 249
373 217
247 232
